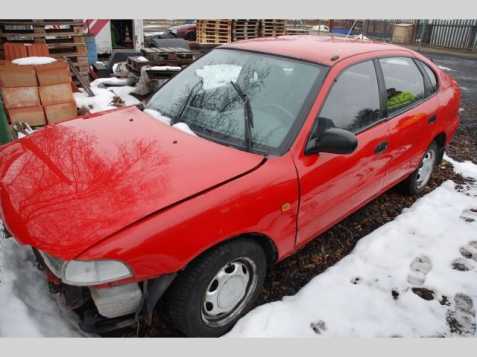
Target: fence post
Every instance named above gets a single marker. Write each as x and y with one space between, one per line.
472 39
5 134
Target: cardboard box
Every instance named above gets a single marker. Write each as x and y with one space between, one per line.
12 75
56 94
34 116
20 97
53 73
58 113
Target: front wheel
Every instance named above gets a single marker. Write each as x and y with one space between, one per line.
417 182
217 289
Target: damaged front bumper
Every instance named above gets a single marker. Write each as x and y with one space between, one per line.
105 309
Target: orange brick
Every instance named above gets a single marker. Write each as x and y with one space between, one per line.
56 94
59 63
14 50
60 112
49 75
17 76
32 115
37 49
20 97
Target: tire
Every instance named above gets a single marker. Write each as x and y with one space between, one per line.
222 274
417 182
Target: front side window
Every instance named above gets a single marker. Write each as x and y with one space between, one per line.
353 102
210 95
404 83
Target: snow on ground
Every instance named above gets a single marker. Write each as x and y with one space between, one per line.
110 81
165 68
104 96
431 248
33 60
103 100
27 308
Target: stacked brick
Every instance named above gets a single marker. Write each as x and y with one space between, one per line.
37 94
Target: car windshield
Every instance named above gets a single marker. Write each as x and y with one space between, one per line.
205 97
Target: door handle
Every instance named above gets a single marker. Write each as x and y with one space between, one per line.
432 119
381 147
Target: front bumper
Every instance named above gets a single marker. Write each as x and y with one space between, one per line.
102 310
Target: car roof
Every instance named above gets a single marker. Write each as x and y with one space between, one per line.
314 48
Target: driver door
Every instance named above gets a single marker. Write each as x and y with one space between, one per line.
333 186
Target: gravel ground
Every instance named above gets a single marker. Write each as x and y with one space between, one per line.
290 275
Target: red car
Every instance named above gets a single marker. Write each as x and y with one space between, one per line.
292 134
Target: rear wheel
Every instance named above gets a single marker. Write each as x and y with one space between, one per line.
217 289
417 182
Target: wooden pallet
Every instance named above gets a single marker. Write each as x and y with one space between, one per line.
214 31
168 56
272 27
64 38
245 29
297 31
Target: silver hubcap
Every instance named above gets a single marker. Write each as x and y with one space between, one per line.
425 170
228 292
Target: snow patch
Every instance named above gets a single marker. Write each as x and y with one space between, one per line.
28 309
166 120
217 75
404 279
112 81
185 128
103 98
33 61
165 68
157 115
464 168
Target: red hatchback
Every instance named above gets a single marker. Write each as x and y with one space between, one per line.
292 134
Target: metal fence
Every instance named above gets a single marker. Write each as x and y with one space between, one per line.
459 34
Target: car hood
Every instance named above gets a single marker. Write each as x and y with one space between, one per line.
69 186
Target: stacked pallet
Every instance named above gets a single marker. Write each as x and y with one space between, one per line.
64 38
273 27
245 29
214 31
37 94
297 29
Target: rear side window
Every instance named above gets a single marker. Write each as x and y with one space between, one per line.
431 75
404 82
353 102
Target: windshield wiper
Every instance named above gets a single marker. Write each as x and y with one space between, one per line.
192 94
248 115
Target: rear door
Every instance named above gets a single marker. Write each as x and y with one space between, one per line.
411 113
331 185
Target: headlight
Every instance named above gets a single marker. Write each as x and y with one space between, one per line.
77 272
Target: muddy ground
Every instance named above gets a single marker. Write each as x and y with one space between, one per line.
290 275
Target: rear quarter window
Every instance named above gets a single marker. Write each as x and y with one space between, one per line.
431 75
404 83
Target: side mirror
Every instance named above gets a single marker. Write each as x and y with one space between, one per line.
334 141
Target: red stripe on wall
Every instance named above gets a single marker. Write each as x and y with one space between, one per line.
97 26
